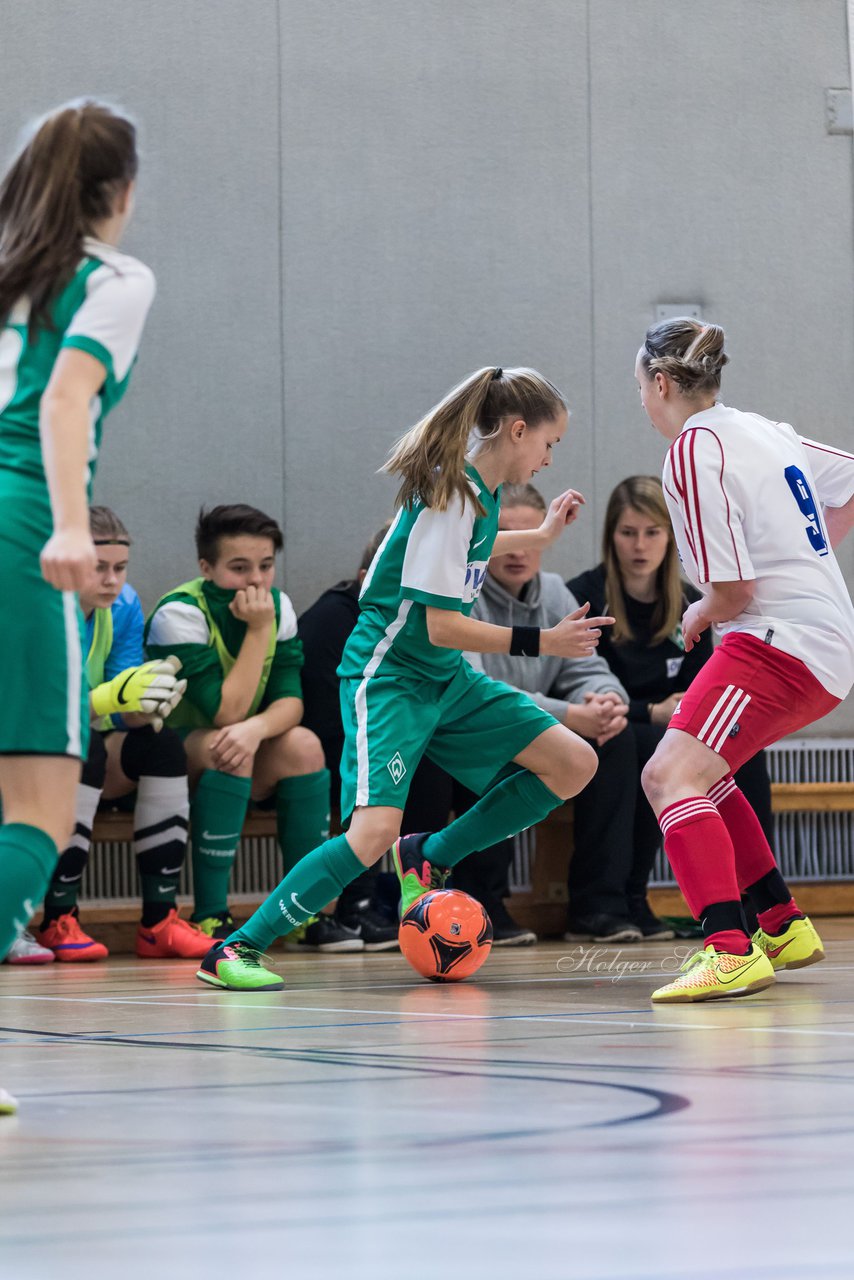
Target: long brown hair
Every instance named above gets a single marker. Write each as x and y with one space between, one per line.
65 179
430 458
643 494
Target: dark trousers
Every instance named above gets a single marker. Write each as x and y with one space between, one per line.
603 820
603 817
616 834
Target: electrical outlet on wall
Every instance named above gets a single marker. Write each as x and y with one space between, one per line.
838 112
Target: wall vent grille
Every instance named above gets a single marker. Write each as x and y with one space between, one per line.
810 846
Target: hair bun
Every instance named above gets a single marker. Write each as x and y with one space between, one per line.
687 351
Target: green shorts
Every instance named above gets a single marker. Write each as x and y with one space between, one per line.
471 726
46 695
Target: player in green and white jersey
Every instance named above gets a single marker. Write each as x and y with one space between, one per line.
72 310
406 690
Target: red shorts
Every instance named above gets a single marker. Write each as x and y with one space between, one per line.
747 696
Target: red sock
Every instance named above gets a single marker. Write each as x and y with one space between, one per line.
753 856
733 941
772 920
700 852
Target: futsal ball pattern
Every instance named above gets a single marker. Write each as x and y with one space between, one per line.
446 935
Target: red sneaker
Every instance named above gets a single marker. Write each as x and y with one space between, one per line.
64 937
172 939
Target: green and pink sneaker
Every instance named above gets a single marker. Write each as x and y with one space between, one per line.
417 876
235 966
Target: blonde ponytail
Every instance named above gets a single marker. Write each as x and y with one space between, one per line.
430 457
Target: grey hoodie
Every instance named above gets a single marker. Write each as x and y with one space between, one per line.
551 682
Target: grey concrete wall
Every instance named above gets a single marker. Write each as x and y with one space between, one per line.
203 417
351 204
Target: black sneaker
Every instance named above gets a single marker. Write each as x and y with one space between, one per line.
652 928
216 927
324 933
602 928
376 930
505 931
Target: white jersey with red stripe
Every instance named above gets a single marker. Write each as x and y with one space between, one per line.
745 496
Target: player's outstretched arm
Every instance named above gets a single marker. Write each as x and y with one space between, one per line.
563 510
575 636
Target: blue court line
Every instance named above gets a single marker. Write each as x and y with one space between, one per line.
332 1026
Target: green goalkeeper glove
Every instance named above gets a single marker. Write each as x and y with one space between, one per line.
151 689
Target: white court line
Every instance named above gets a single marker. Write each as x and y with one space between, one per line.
568 977
579 1019
795 1031
166 997
564 1018
412 985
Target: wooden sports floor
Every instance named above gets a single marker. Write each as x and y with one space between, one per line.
540 1121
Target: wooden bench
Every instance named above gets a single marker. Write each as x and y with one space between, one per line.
543 907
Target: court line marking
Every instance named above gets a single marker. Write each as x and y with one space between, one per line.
599 1017
414 985
665 1101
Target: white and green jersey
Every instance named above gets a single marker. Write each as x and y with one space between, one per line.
428 557
101 310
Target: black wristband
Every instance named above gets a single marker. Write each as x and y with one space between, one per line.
525 642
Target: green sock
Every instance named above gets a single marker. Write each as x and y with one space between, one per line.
217 812
27 858
316 880
512 805
302 815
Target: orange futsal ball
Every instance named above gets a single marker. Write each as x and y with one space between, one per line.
446 935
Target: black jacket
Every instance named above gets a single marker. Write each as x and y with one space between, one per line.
650 673
324 629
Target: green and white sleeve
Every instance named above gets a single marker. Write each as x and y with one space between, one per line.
437 554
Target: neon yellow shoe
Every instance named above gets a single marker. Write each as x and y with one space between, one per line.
235 966
716 975
796 947
216 927
8 1105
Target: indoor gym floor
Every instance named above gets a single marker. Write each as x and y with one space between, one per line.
542 1120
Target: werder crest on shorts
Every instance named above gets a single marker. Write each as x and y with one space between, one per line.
396 768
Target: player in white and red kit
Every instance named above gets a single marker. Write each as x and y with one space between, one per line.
756 510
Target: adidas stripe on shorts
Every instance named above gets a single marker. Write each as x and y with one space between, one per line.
747 696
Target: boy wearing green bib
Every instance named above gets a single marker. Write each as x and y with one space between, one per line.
235 635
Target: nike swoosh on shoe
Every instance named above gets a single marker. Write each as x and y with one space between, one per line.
728 978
